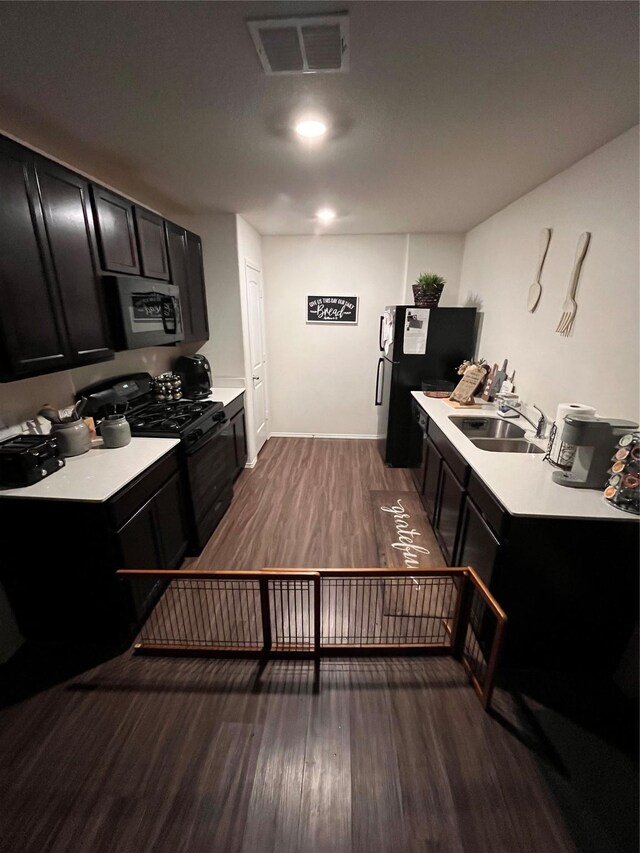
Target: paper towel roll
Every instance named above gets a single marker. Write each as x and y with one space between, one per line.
562 454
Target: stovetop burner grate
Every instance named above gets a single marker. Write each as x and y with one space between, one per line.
171 418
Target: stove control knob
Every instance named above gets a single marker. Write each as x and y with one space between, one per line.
194 436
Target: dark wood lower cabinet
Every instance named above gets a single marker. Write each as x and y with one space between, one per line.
479 546
450 497
432 463
237 425
156 534
568 608
63 588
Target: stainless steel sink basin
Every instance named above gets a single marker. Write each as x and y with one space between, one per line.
477 427
506 445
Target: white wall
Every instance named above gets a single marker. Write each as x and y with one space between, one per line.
322 378
598 362
438 253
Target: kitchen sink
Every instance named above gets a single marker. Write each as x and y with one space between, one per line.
506 445
487 428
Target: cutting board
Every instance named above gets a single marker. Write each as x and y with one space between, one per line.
498 379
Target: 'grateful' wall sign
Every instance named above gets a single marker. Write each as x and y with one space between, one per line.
332 309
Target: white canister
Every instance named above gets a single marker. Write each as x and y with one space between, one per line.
115 431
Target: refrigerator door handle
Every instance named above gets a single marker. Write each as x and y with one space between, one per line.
380 341
379 384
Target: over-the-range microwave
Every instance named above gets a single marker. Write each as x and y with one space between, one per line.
143 313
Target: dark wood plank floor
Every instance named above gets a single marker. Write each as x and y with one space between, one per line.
369 755
307 505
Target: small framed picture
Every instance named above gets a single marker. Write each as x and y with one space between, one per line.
332 309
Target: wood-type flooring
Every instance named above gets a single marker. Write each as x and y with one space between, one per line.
307 504
389 755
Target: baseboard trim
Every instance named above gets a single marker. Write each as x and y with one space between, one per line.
320 435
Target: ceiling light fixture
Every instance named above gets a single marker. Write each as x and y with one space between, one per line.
326 215
311 129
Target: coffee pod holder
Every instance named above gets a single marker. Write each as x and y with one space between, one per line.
623 487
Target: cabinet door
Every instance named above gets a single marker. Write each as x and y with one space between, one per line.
152 242
69 223
32 332
177 250
239 441
156 537
432 465
139 540
450 497
116 232
197 294
185 262
170 523
478 546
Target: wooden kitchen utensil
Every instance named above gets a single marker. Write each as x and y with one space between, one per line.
569 306
498 379
489 382
536 288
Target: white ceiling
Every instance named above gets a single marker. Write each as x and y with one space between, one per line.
451 110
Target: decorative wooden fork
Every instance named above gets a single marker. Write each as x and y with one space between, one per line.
569 306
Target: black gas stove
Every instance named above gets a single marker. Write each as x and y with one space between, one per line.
188 420
206 444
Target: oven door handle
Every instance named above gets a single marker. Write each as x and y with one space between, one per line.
205 439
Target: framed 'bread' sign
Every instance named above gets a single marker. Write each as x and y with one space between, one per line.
332 309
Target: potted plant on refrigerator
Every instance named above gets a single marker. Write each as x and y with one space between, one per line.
427 290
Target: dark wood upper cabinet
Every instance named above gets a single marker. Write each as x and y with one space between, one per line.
69 224
185 261
32 330
197 293
116 231
152 243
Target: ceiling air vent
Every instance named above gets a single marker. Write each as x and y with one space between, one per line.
302 45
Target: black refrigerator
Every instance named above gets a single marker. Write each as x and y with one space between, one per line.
415 345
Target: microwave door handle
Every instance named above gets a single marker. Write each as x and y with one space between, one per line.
169 320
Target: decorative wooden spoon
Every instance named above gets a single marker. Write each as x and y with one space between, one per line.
536 288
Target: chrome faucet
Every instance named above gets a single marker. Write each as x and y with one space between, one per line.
538 425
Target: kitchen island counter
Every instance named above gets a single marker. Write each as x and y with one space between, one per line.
97 475
520 481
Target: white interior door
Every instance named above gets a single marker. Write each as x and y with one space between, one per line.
253 278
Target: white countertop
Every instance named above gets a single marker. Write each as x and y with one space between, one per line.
225 395
101 472
521 481
98 474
